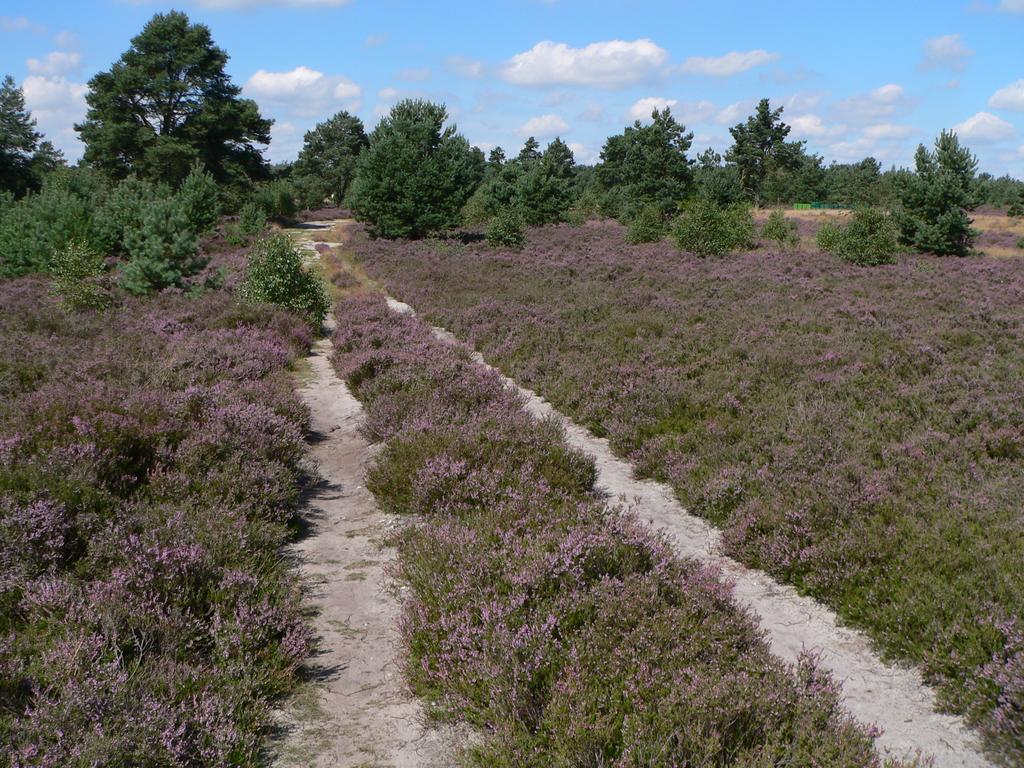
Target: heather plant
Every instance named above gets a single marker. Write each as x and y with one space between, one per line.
559 626
506 230
150 461
649 226
276 275
780 229
854 432
199 199
705 229
77 270
162 250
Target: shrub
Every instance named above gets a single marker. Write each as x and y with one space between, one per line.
276 199
275 275
76 269
648 226
251 220
706 229
506 230
39 224
780 229
123 211
199 199
477 210
162 250
869 239
1020 243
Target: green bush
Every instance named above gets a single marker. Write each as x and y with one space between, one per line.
123 211
870 239
39 224
648 226
780 229
1020 243
275 275
251 220
477 210
77 270
706 229
162 250
506 230
199 200
276 199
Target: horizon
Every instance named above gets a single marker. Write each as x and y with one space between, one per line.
581 71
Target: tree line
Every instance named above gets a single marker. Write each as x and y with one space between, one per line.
166 115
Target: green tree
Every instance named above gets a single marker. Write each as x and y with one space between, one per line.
416 174
23 159
760 149
166 103
646 165
935 201
327 161
546 187
854 184
716 181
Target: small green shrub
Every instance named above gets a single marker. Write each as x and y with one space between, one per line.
162 250
275 275
77 269
39 224
277 199
869 239
251 220
1020 243
648 226
780 229
506 230
706 229
123 211
476 212
199 199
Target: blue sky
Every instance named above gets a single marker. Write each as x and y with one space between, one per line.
856 79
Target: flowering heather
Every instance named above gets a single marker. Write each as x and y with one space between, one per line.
857 432
149 467
562 628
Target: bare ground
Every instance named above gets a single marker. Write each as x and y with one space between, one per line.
355 709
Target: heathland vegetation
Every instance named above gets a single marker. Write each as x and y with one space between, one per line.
832 390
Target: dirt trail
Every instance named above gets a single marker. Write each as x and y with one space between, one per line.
356 710
894 698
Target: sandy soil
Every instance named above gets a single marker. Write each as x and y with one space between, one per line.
896 699
355 710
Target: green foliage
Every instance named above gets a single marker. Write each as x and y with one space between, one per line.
327 162
934 202
167 103
869 239
715 181
710 230
24 158
199 199
546 189
760 149
162 250
276 199
77 270
39 224
476 212
1016 208
645 165
506 230
275 275
251 220
123 210
1020 243
854 184
416 174
649 226
780 229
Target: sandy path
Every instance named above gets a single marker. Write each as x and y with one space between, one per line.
356 710
896 699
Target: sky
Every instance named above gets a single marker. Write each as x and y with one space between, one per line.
855 79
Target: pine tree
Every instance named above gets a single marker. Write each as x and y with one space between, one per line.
760 149
327 161
19 141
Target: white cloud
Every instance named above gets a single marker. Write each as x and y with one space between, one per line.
66 39
57 104
730 64
984 127
465 67
304 91
1012 6
642 108
285 142
372 41
1009 97
19 24
882 102
544 126
583 154
812 127
415 75
888 131
593 113
946 51
388 94
688 112
608 64
736 111
55 63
